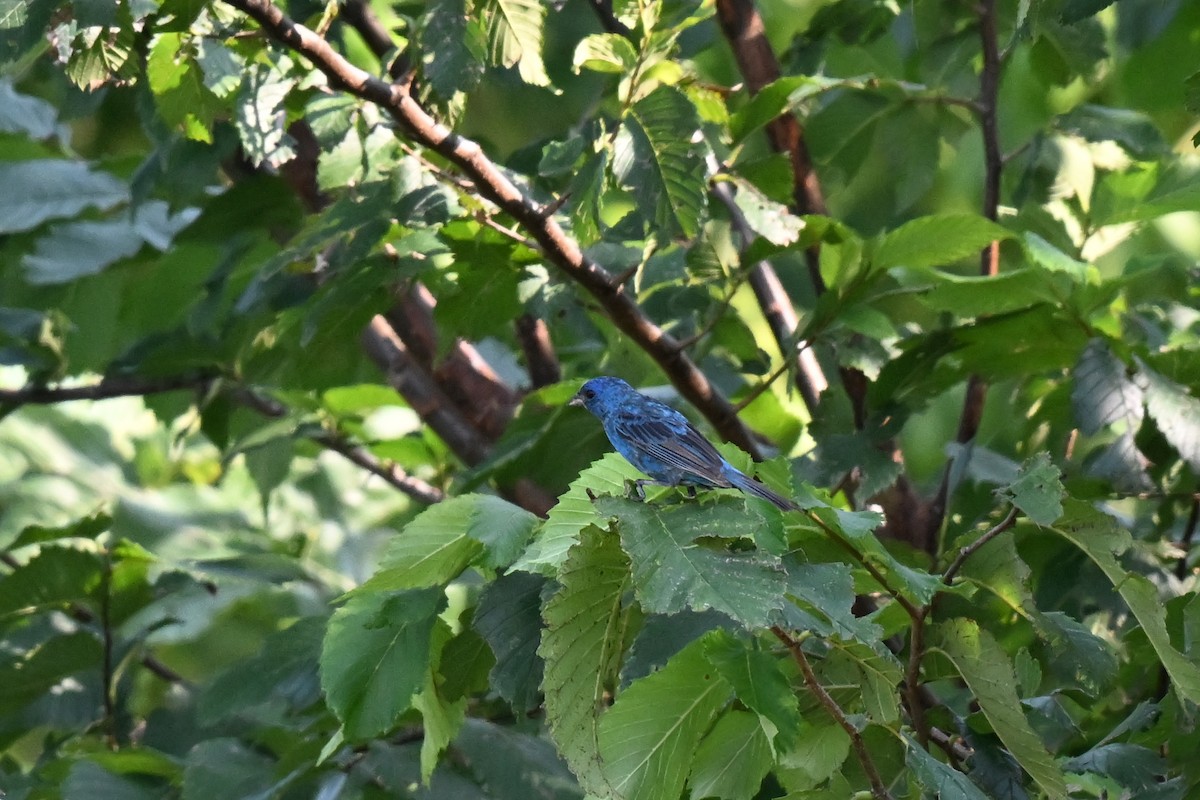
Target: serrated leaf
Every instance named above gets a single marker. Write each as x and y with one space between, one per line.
1051 259
581 647
604 52
759 683
1037 490
859 527
989 674
656 159
939 239
1176 413
444 539
509 618
937 778
733 758
448 56
514 37
649 737
1102 539
672 570
1103 393
574 512
38 190
771 220
260 116
874 670
375 657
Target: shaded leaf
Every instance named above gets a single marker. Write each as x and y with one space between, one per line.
649 737
1176 413
509 618
38 190
1037 490
1103 392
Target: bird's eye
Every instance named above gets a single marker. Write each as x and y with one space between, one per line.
590 394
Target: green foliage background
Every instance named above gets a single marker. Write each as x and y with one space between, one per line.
291 504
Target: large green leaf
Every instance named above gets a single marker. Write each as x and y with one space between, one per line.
989 675
35 191
53 578
509 618
581 646
733 759
936 240
514 36
759 682
1037 489
648 739
444 539
656 159
1102 539
1103 392
376 656
448 48
674 568
574 512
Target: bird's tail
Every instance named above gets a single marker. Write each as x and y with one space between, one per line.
751 486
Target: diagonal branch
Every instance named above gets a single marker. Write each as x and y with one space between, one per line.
556 246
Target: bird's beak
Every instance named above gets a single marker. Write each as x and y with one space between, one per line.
575 401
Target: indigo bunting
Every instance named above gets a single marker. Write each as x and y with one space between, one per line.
661 442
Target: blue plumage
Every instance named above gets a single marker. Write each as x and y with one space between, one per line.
661 442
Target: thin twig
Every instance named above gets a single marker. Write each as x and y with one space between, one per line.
878 789
106 389
494 185
757 391
969 550
84 616
106 661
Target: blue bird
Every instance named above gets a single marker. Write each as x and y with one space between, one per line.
661 442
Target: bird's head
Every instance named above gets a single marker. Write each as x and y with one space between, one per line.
602 395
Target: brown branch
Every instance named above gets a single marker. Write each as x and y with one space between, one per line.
106 389
989 258
604 12
557 247
776 306
540 358
360 16
878 789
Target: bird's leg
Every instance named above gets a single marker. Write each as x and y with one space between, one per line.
634 489
691 492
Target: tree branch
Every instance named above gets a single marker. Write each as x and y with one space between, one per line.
878 789
540 359
989 258
557 247
969 550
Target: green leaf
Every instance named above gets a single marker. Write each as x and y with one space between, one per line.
514 36
656 159
509 618
574 512
977 295
938 778
989 675
604 52
759 683
35 191
1176 413
375 657
51 579
1103 393
1102 539
447 537
89 781
770 102
21 113
1037 490
648 739
261 116
733 759
181 95
819 753
441 718
935 240
26 676
581 646
285 668
514 765
226 768
1051 259
1138 769
673 570
873 669
86 528
448 48
859 527
773 221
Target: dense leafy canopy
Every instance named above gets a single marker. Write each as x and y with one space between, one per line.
293 296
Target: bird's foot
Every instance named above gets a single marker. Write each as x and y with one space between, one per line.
635 491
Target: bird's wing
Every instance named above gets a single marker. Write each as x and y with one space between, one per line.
674 441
